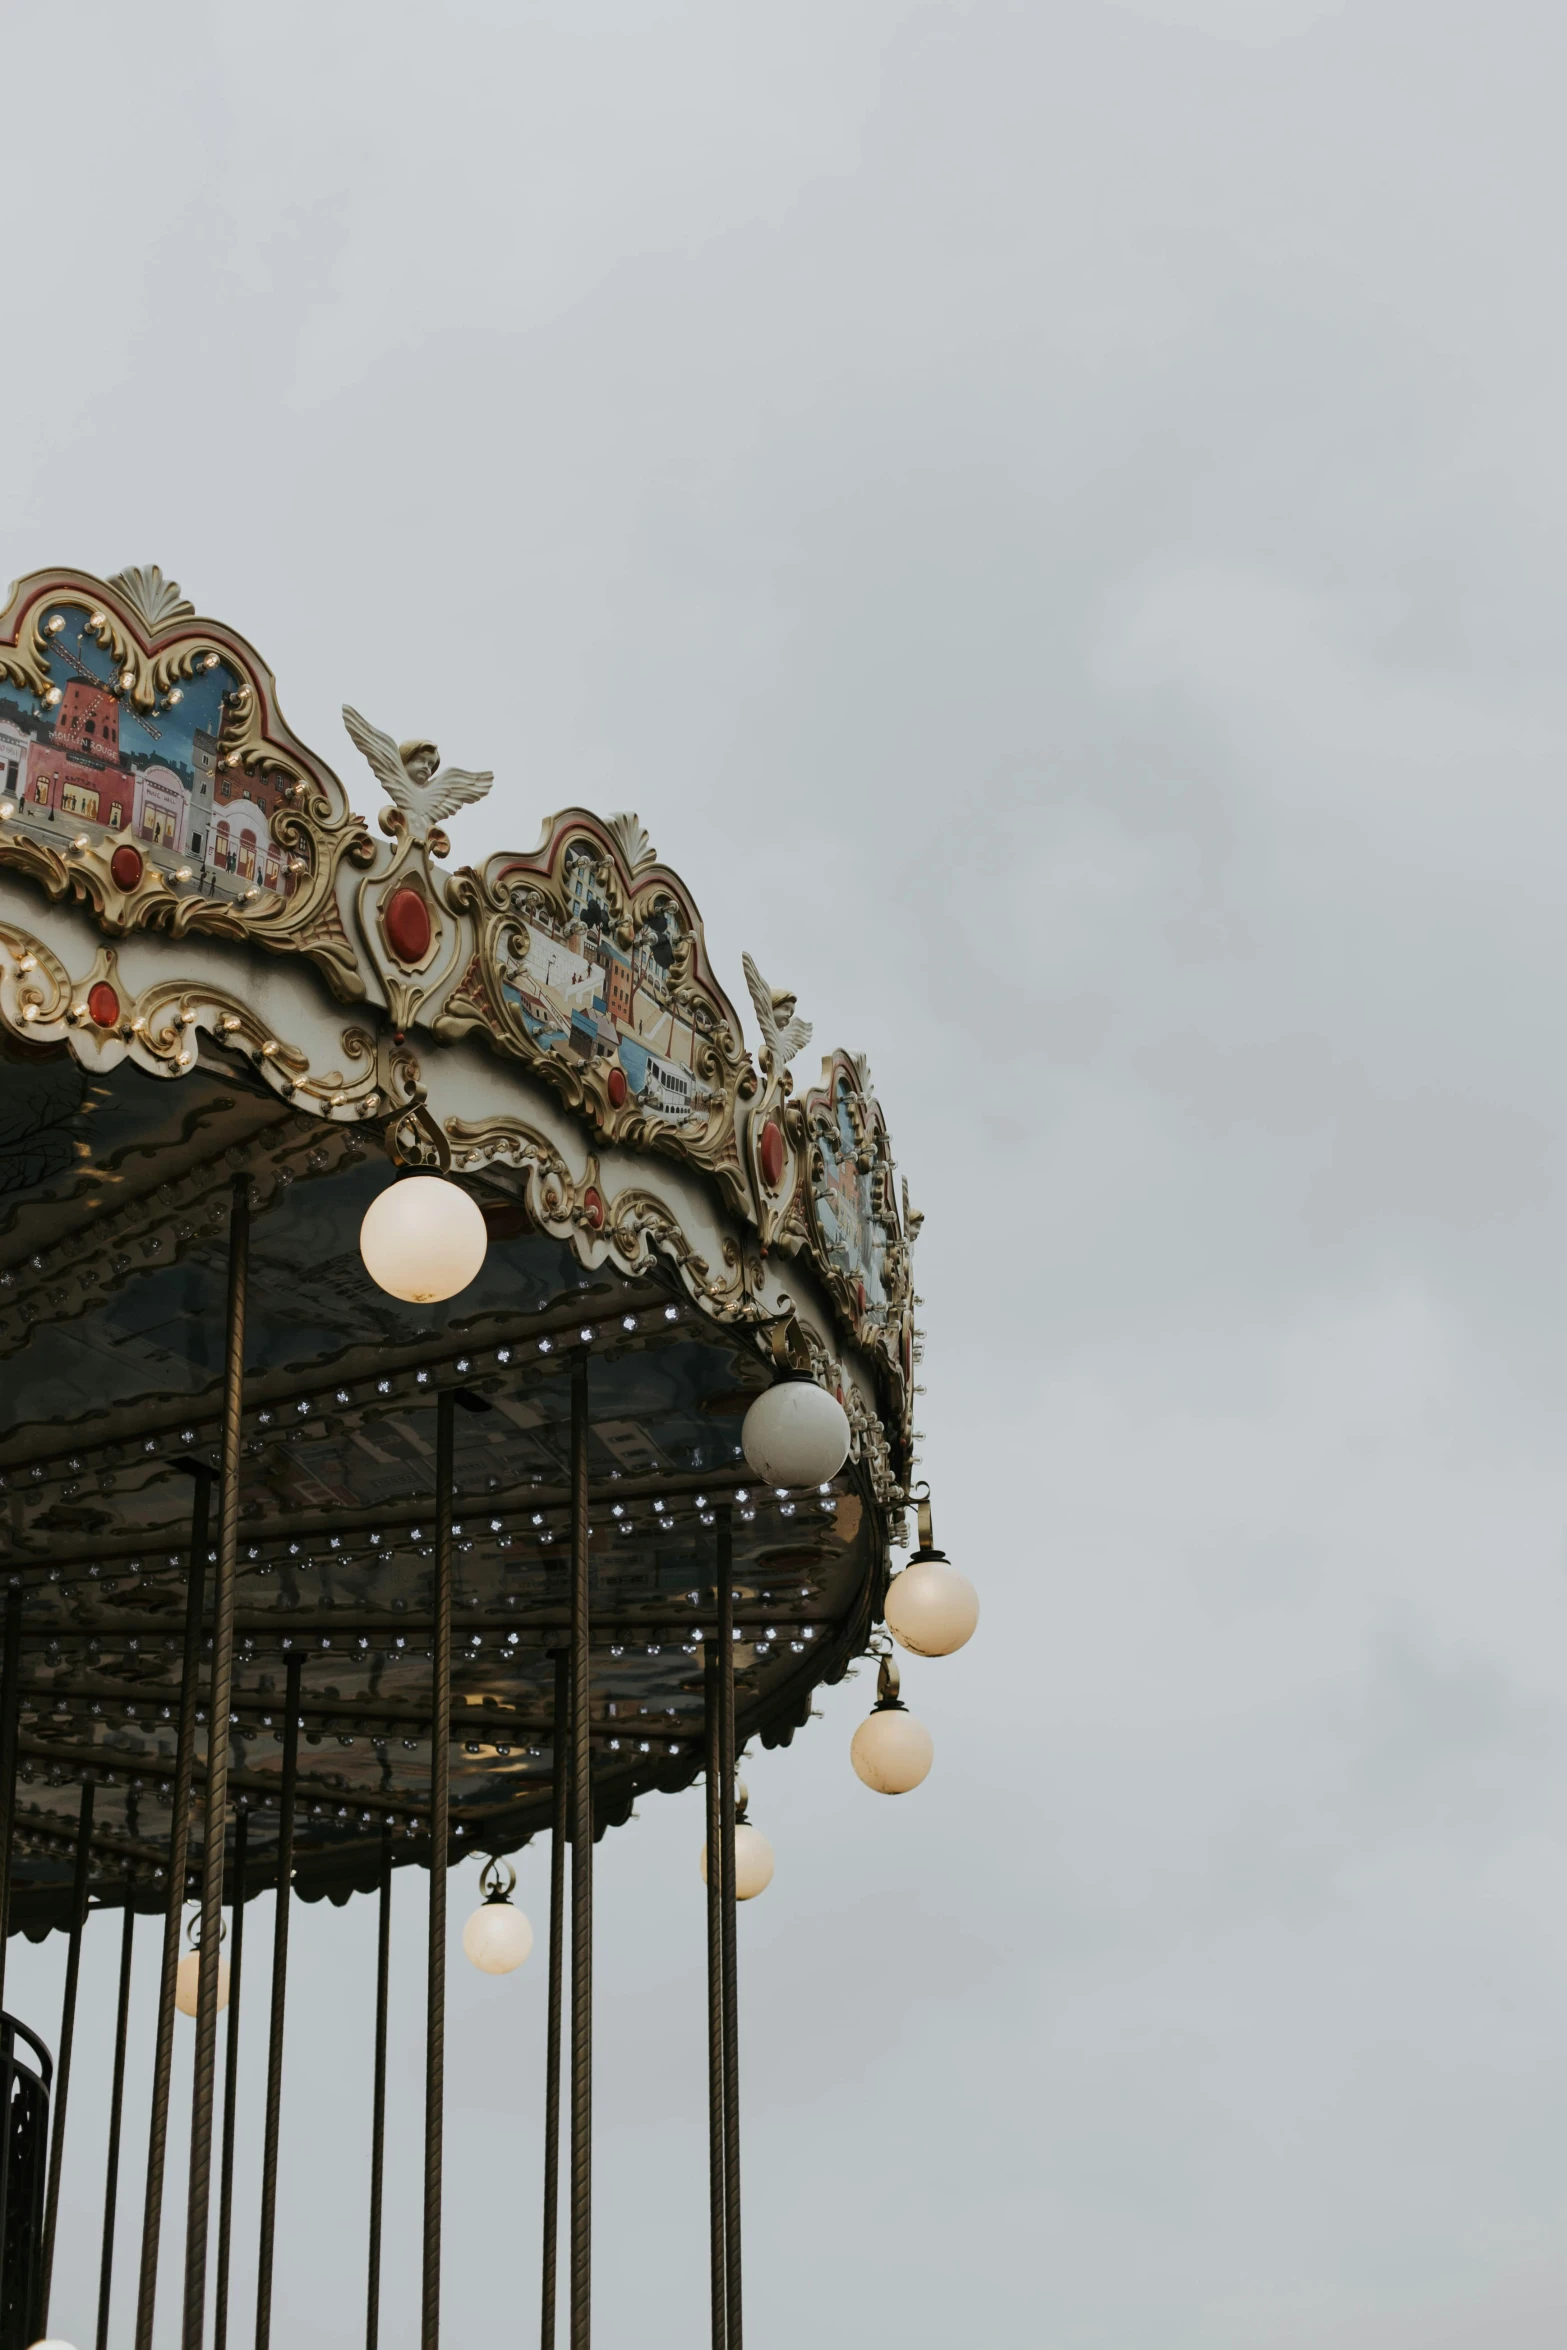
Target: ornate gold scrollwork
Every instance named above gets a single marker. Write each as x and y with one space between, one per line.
577 905
155 646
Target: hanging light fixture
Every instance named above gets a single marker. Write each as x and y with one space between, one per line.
423 1239
891 1751
795 1433
187 1975
931 1609
497 1938
753 1853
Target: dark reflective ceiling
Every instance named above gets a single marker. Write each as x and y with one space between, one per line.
114 1201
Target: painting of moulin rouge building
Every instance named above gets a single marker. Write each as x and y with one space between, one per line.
580 987
84 757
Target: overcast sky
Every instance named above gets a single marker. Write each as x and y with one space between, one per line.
1055 515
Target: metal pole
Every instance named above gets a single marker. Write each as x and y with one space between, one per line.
10 1710
581 1877
383 1956
220 2313
179 1846
440 1831
220 1689
280 1918
111 2183
718 2272
62 2068
726 1790
10 1713
561 1794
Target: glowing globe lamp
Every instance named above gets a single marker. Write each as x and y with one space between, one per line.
931 1609
187 1982
423 1239
753 1862
796 1434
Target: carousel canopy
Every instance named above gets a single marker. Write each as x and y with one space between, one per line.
219 983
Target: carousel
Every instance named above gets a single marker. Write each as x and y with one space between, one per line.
451 1389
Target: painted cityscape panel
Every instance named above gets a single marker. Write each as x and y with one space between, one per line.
84 758
849 1212
583 986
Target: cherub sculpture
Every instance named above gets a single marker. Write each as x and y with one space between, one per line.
407 773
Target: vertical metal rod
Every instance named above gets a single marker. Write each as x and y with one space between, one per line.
560 1792
10 1722
10 1713
713 1733
220 1688
726 1788
581 1876
440 1831
220 2308
280 1919
62 2065
179 1848
111 2182
383 1959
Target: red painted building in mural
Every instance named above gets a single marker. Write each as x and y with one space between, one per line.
77 771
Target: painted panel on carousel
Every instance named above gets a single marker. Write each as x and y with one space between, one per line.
591 965
143 768
857 1234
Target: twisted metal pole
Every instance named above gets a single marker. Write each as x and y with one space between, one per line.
10 1718
718 2273
440 1816
62 2066
179 1849
282 1910
726 1791
111 2183
383 1957
10 1712
220 2310
560 1820
220 1688
581 1876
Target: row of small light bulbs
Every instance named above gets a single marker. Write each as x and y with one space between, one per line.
276 1416
931 1610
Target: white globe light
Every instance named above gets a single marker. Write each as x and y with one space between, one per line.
423 1239
753 1862
51 2344
892 1752
497 1938
187 1982
931 1609
796 1434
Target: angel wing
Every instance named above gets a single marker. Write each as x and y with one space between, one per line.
762 998
794 1039
453 788
386 760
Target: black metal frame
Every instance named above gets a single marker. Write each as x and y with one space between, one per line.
33 2187
24 2143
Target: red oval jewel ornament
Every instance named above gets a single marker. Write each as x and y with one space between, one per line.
593 1207
126 868
103 1005
618 1088
772 1154
407 920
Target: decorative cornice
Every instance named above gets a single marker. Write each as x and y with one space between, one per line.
147 774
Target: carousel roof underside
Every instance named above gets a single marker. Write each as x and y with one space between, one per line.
114 1201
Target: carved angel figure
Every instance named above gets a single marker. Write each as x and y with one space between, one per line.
774 1008
407 773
